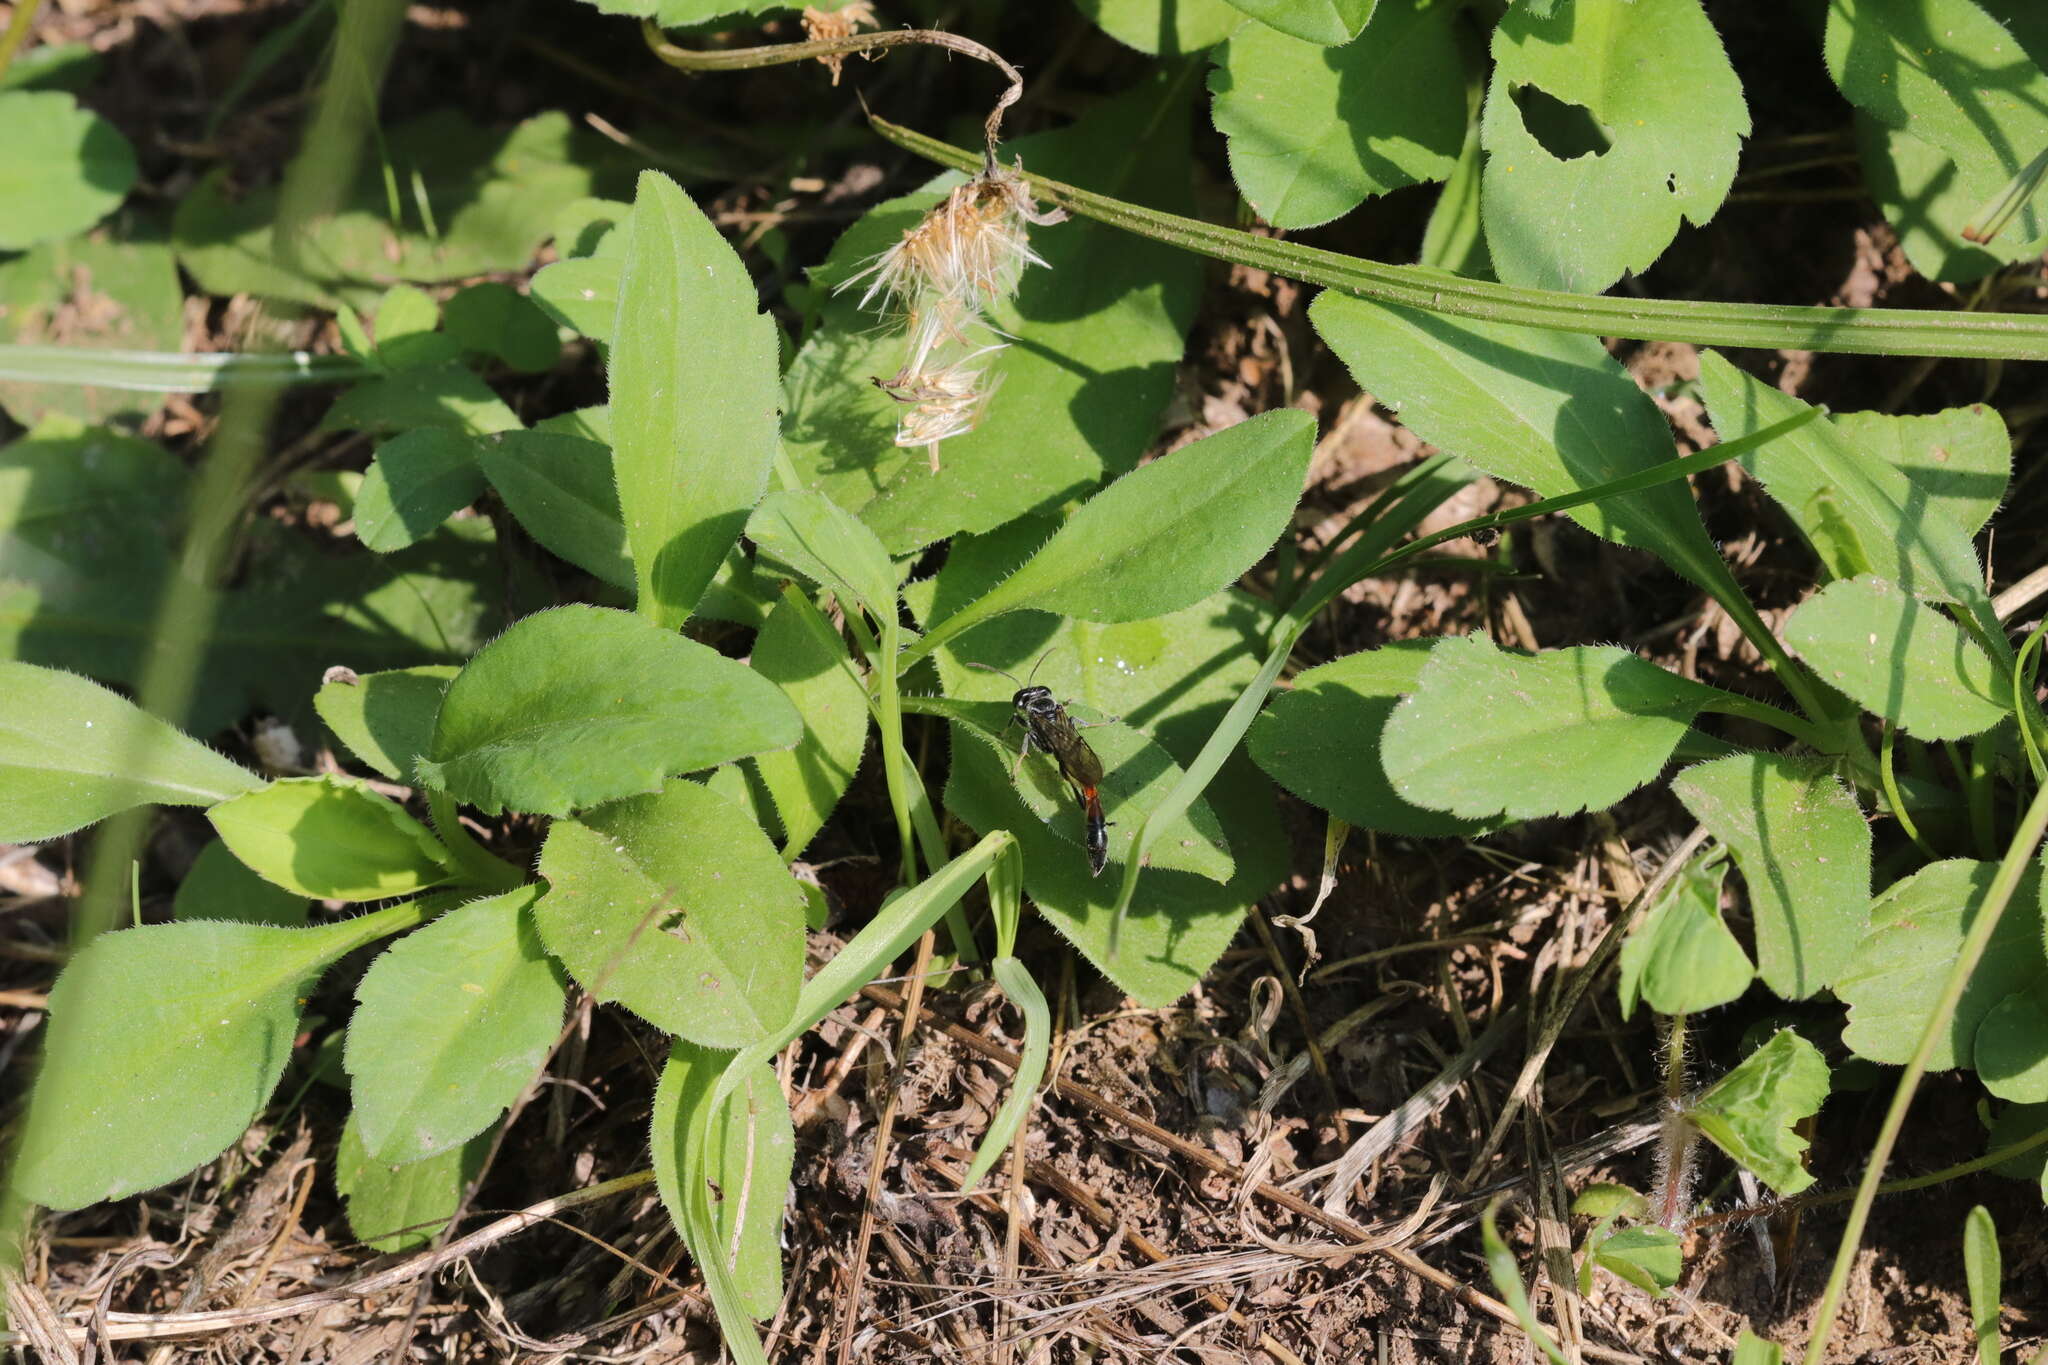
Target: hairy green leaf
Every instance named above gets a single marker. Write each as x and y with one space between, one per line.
1648 1258
1895 657
828 545
386 719
1316 130
1606 124
73 753
1488 733
1322 740
1917 925
738 1155
331 839
2011 1051
1751 1112
561 489
1314 21
580 705
452 1023
694 398
402 1207
676 906
804 784
499 321
1682 959
163 1043
1164 28
1959 459
446 396
418 480
219 886
1983 1273
1803 849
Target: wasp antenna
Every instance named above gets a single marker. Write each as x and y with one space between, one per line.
1034 668
991 668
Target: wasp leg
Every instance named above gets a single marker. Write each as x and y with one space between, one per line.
1017 769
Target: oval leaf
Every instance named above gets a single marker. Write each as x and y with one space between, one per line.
806 782
562 490
219 887
1682 959
73 753
331 839
1897 658
1752 1112
696 396
1489 733
65 169
163 1044
581 705
2012 1046
828 545
418 480
676 906
400 1208
451 1024
386 719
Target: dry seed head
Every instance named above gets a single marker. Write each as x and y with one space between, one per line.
844 22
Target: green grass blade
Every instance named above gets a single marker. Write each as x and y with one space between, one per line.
170 372
1862 331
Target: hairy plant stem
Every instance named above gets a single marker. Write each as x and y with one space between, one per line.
1677 1135
776 54
2010 870
1862 331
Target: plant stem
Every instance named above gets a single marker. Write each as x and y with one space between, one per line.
478 863
2014 866
1865 331
747 58
1677 1135
17 31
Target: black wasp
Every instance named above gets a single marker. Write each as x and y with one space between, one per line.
1049 729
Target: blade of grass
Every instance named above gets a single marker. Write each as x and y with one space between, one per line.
170 372
1863 331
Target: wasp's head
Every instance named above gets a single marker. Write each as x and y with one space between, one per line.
1034 701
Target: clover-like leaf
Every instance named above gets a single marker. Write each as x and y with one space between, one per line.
1898 658
1606 124
1803 848
1752 1112
1488 733
580 705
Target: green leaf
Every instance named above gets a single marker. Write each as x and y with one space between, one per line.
1164 537
561 489
1917 925
452 1023
1929 198
408 337
402 1208
1959 459
494 196
218 886
804 784
386 719
331 839
580 705
1164 28
1606 1200
1953 76
163 1043
1507 1282
1682 959
828 545
2011 1049
1487 733
739 1155
89 296
1314 131
1751 1349
444 396
417 481
1097 332
52 66
1137 773
694 398
1897 658
1548 410
1751 1112
73 753
1862 515
1322 741
64 169
1648 1258
581 294
1638 123
1314 21
676 906
1803 849
499 321
1983 1273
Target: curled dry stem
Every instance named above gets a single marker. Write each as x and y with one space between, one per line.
825 49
